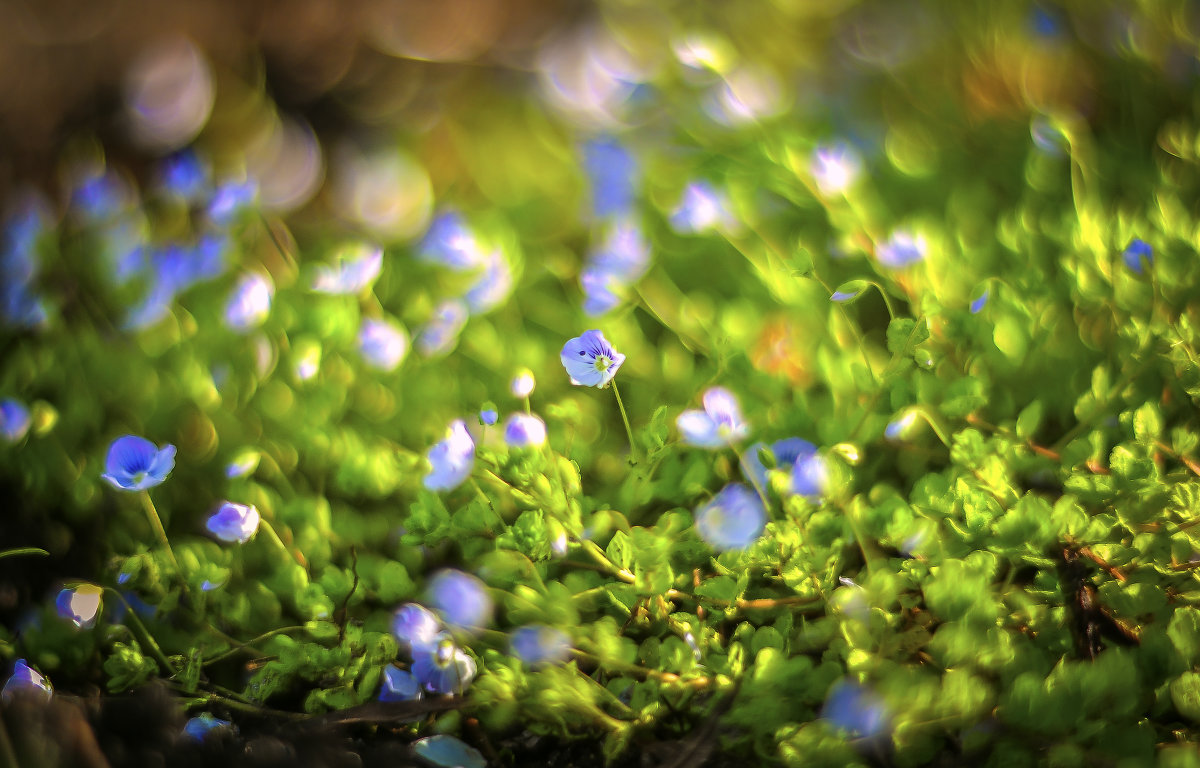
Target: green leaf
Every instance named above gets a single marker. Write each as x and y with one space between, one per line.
904 333
619 551
850 291
1029 419
1184 632
1185 694
1147 424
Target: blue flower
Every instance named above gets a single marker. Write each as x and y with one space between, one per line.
601 291
624 253
234 522
979 302
719 424
230 199
488 416
450 243
413 625
356 268
185 175
493 286
452 459
199 727
14 420
250 302
523 430
399 685
835 168
901 249
460 599
702 208
590 360
79 604
733 519
383 344
134 464
443 667
1138 255
26 682
540 644
854 708
448 752
785 451
440 334
612 171
810 476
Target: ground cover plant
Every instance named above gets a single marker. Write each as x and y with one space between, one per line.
828 400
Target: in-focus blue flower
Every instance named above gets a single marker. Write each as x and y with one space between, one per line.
1138 255
460 599
230 199
702 208
522 384
488 416
79 604
785 451
199 727
835 168
185 175
135 464
733 519
414 625
250 302
440 335
443 667
448 752
719 424
901 249
399 685
613 174
234 523
452 459
856 709
449 242
26 682
14 420
383 344
540 644
590 360
356 267
522 430
493 286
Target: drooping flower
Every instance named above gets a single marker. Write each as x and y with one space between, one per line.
414 625
702 208
540 644
785 452
356 267
719 424
443 667
250 302
835 168
1138 255
856 709
383 344
199 727
900 427
79 604
234 523
451 243
522 384
399 685
448 752
243 463
460 599
26 682
733 519
590 360
440 335
135 464
523 430
901 249
452 459
14 420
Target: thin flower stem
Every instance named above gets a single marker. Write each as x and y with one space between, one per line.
144 633
633 454
156 524
273 536
249 644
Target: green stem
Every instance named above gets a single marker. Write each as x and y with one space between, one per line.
24 551
263 523
156 524
633 455
145 636
249 644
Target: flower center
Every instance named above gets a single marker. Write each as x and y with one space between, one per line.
139 477
602 363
